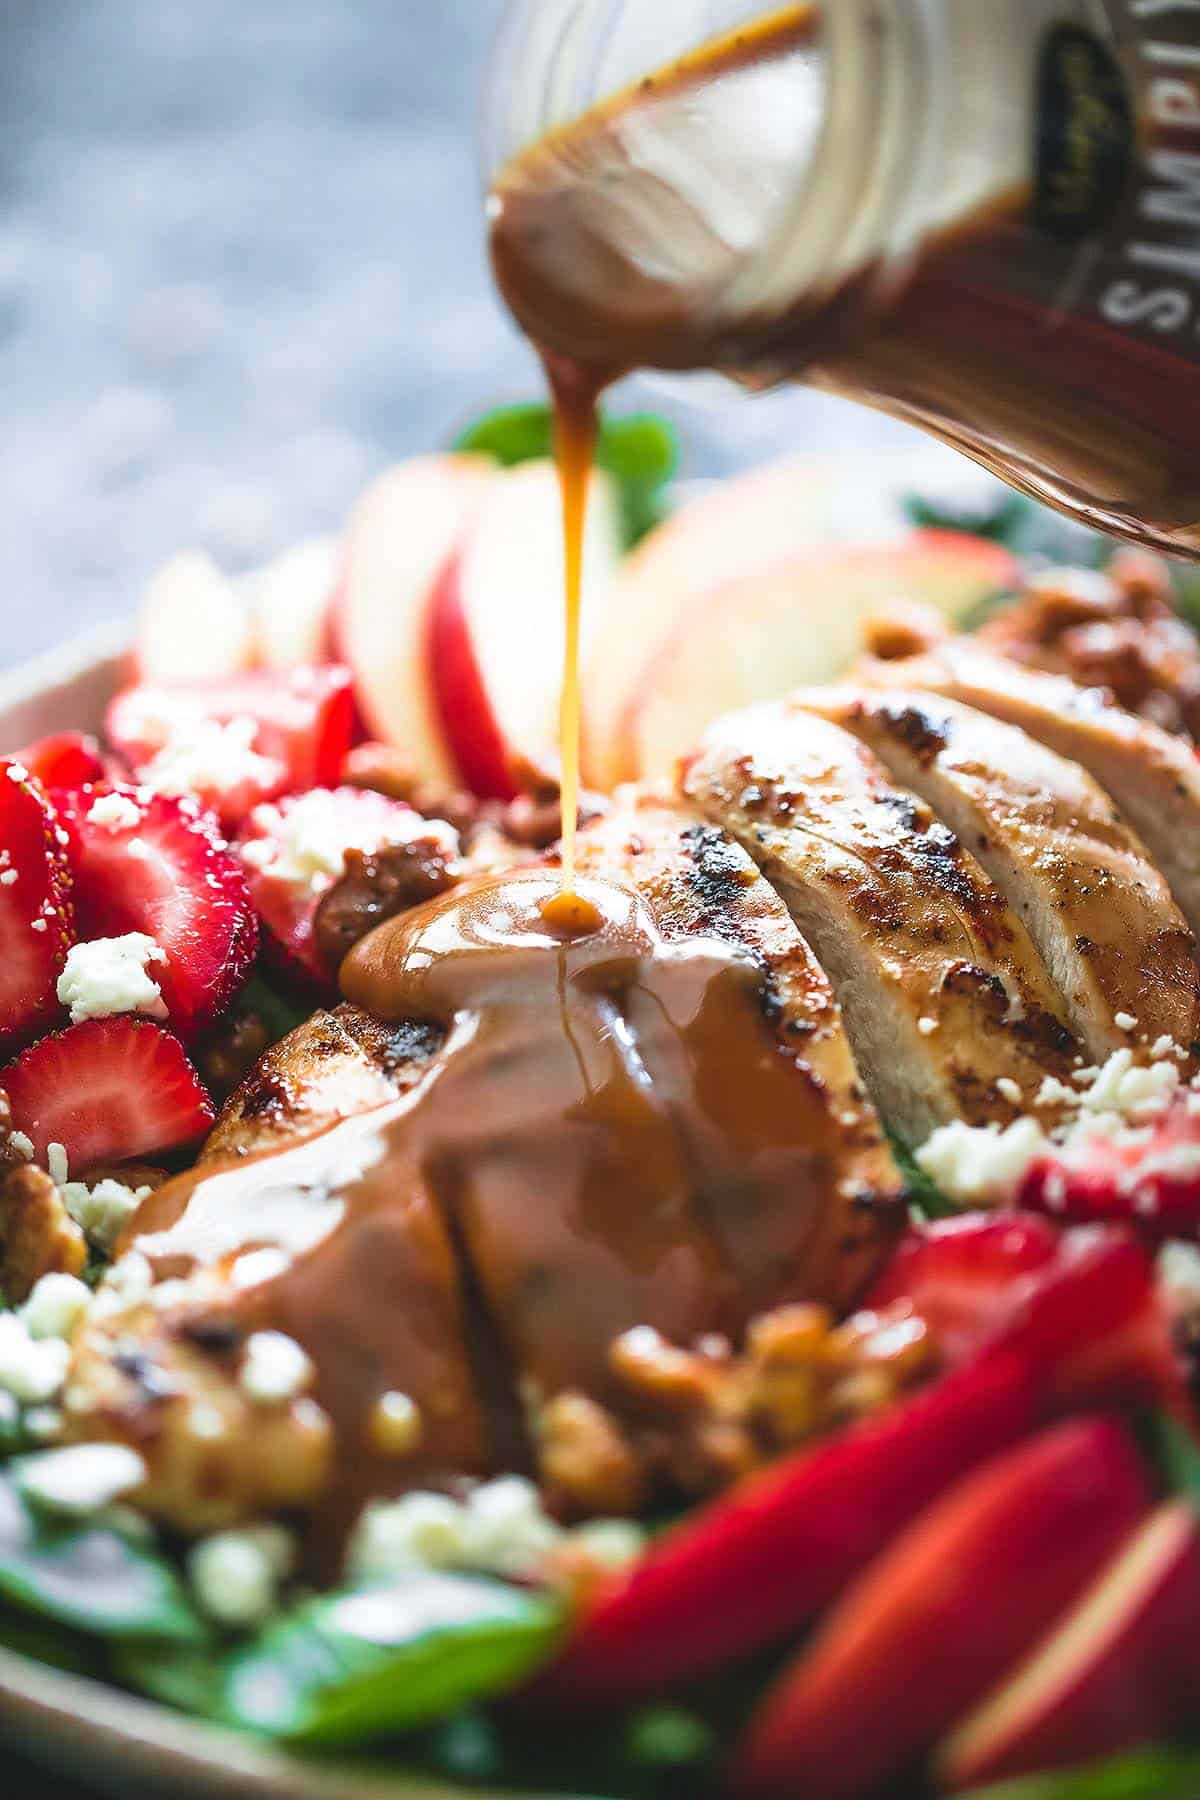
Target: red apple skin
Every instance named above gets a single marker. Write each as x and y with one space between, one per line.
944 1611
1108 1679
769 1557
468 724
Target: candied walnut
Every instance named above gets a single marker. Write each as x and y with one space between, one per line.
231 1050
383 769
1117 631
585 1462
707 1415
377 885
38 1234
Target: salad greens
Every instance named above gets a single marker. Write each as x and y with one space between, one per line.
1152 1775
359 1664
90 1576
640 451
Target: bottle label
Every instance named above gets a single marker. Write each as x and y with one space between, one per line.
1142 274
1086 134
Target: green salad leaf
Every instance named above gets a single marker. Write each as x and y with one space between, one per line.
640 451
354 1665
988 509
1174 1453
88 1576
1151 1775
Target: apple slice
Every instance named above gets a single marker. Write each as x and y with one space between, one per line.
497 623
944 1611
734 528
291 600
763 1561
786 625
193 625
1106 1679
401 537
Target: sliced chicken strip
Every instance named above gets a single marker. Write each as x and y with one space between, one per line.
1153 778
700 883
1115 943
949 1009
334 1065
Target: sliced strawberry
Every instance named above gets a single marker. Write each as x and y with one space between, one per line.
68 759
234 744
1094 1325
164 871
766 1559
1083 1305
35 910
959 1597
962 1274
107 1090
294 851
1152 1183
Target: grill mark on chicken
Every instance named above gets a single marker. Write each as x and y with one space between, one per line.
942 991
1099 912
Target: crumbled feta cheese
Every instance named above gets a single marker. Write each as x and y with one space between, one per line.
38 925
115 811
109 976
22 1144
1124 1021
980 1162
42 1423
104 1210
8 877
1166 1046
419 1530
927 1026
508 1532
57 1166
81 1478
126 1282
31 1370
234 1578
210 758
306 841
56 1305
1131 1092
1008 1089
274 1368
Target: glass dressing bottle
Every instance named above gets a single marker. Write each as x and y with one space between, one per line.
980 217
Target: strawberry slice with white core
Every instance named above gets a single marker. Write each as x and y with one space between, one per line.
295 850
1148 1178
106 1090
234 744
147 863
67 759
35 911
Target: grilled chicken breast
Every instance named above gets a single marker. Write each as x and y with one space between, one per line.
1096 907
948 1007
487 1279
1152 777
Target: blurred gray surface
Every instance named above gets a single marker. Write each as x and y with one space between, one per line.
241 268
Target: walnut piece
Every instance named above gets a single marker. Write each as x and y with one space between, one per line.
38 1234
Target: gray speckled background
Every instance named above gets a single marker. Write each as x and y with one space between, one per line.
241 268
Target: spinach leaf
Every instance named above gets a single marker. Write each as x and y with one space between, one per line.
1151 1775
45 1642
88 1576
988 509
639 451
350 1666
